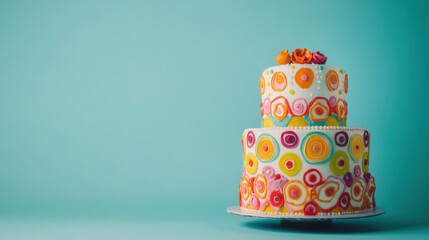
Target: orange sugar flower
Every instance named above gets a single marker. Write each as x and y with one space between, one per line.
301 56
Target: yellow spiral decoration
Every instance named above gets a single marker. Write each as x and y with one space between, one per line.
251 163
290 164
332 122
356 147
267 148
339 164
317 148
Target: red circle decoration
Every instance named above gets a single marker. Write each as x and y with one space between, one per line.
312 177
276 199
310 209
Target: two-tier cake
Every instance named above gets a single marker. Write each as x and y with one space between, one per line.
304 160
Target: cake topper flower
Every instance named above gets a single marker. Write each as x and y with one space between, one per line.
301 56
283 57
319 58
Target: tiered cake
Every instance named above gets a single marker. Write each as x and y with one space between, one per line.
304 160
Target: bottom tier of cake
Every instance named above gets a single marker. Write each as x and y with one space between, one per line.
308 170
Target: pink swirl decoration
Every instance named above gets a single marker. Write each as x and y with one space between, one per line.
268 172
267 106
299 107
332 101
254 202
289 139
250 139
357 170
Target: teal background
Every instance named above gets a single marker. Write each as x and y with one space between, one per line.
123 119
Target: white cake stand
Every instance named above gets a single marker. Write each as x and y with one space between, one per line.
324 220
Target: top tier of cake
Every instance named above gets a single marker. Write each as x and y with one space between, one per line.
303 95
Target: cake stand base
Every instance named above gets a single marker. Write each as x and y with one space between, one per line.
323 220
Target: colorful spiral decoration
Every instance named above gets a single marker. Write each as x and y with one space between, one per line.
254 202
262 85
344 201
332 80
312 177
250 139
339 163
317 148
366 138
304 77
267 148
365 162
357 192
290 164
278 81
245 188
310 209
299 107
370 191
332 102
357 171
267 106
346 84
341 139
268 172
243 140
348 179
289 139
279 107
251 163
341 109
319 109
260 186
295 193
329 192
356 147
276 199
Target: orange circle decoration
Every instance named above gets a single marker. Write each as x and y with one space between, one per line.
279 81
341 109
267 148
260 186
317 148
251 163
304 77
295 193
329 192
262 85
346 83
319 111
279 108
332 80
245 188
356 147
357 193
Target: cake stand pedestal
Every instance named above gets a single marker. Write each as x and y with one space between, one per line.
300 220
